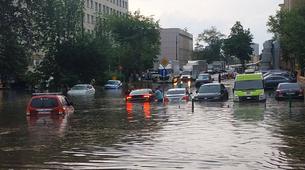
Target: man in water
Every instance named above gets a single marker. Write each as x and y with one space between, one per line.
159 94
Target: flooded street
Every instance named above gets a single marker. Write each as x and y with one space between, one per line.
107 133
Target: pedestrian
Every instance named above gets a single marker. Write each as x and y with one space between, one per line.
159 94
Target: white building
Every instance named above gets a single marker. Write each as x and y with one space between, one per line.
176 44
255 54
94 8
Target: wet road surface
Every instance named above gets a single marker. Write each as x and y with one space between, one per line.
107 133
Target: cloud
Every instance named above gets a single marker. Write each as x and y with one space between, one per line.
197 15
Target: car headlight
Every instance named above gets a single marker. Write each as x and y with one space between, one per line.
262 97
236 98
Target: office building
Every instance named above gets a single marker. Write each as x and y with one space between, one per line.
176 45
96 8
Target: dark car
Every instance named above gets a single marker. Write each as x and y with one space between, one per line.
289 90
141 95
212 92
48 104
272 81
203 79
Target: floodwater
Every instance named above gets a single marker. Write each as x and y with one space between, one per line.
107 133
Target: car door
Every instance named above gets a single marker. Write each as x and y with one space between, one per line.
224 92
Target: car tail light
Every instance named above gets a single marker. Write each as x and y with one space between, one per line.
278 92
147 96
59 110
301 92
128 97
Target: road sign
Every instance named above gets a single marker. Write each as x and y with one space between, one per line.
164 62
163 73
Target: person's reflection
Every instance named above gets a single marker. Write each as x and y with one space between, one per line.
146 108
129 110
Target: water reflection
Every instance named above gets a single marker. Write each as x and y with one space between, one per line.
138 108
41 125
249 111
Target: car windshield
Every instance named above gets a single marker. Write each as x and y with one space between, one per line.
289 86
171 92
79 87
209 89
247 85
140 92
203 77
44 102
112 82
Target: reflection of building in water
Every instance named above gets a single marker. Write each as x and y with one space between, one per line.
129 110
249 112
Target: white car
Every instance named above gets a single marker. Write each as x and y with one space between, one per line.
113 84
82 89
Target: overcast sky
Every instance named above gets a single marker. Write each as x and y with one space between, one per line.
198 15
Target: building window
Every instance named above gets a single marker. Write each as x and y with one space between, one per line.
91 4
104 9
92 19
96 7
88 18
88 4
99 7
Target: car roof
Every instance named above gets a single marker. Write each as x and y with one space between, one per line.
82 85
212 84
245 77
47 96
141 90
174 89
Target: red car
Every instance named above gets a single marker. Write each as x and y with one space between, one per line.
144 95
49 103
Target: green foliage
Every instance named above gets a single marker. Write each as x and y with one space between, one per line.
288 27
136 39
238 44
209 45
14 41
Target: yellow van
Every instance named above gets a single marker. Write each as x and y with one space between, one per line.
249 87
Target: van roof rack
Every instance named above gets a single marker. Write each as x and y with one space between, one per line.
40 94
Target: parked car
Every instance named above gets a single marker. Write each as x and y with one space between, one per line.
49 103
272 81
211 92
81 89
203 79
289 90
141 95
176 95
113 84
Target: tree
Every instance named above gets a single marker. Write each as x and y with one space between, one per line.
15 41
137 39
238 44
208 46
288 27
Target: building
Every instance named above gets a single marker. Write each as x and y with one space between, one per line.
176 44
255 54
271 55
292 4
94 8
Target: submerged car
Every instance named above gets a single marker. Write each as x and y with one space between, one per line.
289 90
113 84
49 103
211 92
176 95
203 79
81 89
141 95
272 81
249 87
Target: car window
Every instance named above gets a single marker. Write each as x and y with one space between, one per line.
209 89
44 102
171 92
79 87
